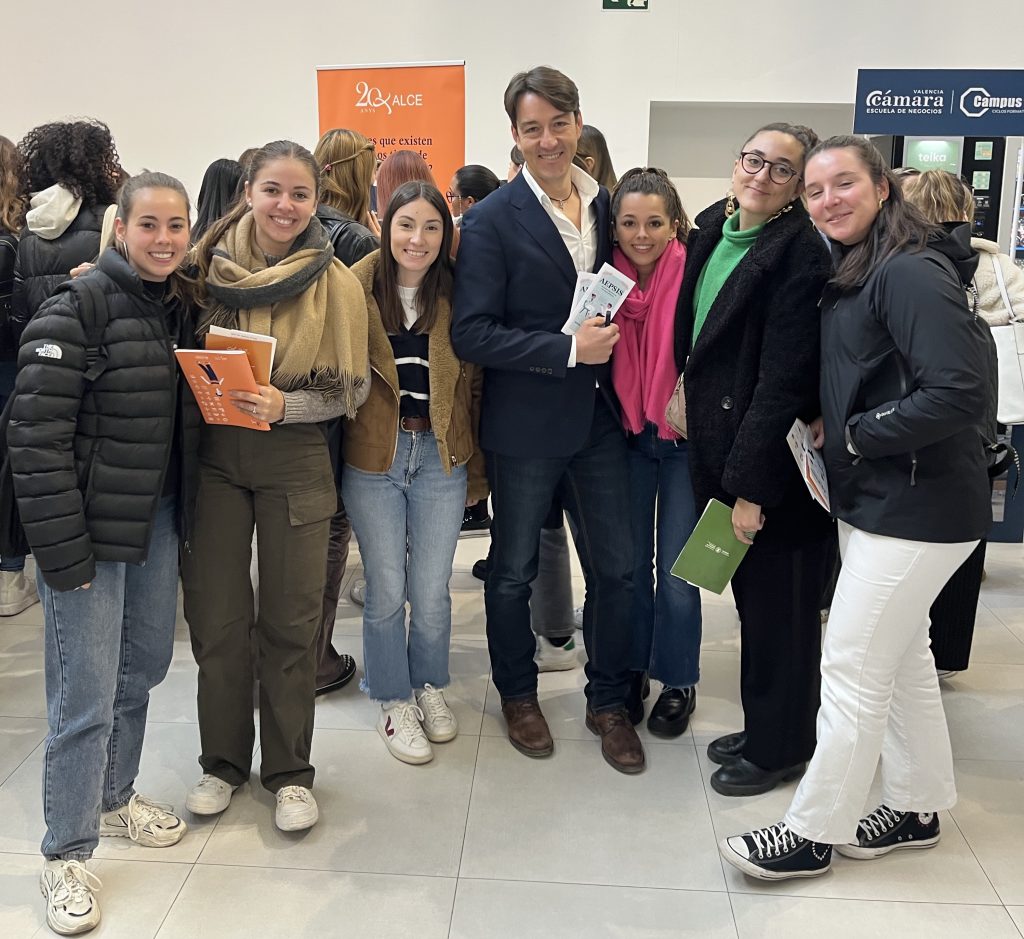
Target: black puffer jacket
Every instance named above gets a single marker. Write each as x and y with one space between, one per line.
905 380
754 369
8 253
90 463
45 263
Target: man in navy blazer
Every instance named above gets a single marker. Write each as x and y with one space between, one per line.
549 422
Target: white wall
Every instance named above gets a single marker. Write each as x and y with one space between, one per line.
184 83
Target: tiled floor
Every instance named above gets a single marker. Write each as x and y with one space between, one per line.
485 844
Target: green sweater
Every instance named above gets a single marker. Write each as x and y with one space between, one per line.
729 251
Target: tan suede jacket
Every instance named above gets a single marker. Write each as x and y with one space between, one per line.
369 441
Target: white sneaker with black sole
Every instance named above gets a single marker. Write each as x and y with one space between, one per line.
439 724
296 809
69 888
150 824
552 658
776 853
886 830
210 796
400 728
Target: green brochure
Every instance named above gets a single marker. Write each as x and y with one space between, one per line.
711 555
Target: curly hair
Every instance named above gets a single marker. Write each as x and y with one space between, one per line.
78 155
12 193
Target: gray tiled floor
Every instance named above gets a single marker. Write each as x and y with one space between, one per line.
484 844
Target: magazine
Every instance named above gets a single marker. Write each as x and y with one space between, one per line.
712 552
602 296
810 461
211 375
259 349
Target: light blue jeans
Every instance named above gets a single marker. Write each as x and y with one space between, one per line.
407 521
105 649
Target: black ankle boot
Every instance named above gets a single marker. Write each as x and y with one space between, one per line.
728 748
671 712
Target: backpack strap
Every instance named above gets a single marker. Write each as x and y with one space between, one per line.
92 305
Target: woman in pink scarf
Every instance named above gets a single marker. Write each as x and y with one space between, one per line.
650 229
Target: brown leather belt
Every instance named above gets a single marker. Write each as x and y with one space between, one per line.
415 424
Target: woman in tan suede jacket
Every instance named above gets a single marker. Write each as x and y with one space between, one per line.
412 462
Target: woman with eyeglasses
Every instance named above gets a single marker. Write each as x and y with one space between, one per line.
469 185
904 392
747 340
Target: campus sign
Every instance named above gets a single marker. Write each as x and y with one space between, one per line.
940 102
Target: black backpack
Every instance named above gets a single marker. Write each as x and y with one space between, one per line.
92 306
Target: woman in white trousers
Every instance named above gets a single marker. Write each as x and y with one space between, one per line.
904 391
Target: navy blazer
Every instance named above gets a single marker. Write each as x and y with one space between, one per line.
514 283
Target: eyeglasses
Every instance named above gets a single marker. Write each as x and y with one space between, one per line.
779 173
452 196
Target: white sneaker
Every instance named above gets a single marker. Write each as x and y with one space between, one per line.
151 824
577 617
552 658
439 724
16 593
68 887
296 809
209 796
400 729
358 593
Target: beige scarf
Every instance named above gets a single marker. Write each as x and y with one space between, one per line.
309 302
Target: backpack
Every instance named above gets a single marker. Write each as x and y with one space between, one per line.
92 306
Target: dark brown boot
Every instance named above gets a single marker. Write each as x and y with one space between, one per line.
620 746
527 730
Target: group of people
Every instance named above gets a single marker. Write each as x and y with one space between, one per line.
420 368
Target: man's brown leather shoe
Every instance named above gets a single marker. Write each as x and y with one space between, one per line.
620 746
527 729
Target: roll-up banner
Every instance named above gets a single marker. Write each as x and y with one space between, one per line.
418 106
940 102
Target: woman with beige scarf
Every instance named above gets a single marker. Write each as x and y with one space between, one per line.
269 268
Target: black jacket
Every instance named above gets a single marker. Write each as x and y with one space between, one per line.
352 241
514 284
904 379
43 264
754 369
8 253
89 464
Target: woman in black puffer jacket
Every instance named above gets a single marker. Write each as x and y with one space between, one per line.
73 172
105 471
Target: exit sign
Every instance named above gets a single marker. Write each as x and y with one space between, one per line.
625 4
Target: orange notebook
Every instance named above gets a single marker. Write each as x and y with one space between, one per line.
259 349
211 375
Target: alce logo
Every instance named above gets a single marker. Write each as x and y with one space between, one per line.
975 102
372 98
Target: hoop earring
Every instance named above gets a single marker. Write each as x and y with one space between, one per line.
730 203
881 202
122 249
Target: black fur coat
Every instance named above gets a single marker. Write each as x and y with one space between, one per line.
754 368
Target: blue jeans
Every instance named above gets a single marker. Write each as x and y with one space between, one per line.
666 617
105 649
593 486
407 521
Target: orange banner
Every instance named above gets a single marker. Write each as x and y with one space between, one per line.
420 107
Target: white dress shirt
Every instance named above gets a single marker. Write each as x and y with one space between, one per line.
580 242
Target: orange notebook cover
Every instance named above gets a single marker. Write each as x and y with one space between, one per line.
259 349
211 375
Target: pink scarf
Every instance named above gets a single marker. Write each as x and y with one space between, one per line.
644 370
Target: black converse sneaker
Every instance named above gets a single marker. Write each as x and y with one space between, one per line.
776 853
886 830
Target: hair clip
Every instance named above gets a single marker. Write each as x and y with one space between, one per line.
326 168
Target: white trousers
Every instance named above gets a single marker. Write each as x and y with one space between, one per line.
879 691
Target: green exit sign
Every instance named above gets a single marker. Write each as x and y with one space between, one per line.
625 4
